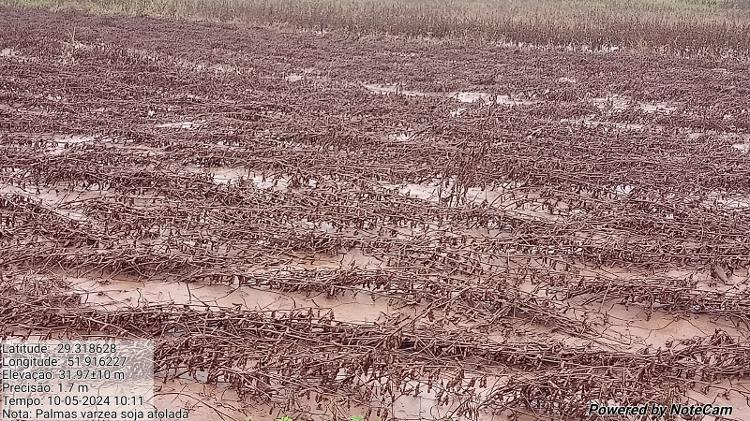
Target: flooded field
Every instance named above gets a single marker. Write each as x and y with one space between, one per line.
312 226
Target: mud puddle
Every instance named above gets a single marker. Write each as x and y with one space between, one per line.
616 103
460 96
63 142
499 197
185 125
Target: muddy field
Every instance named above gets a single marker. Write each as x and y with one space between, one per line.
323 226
